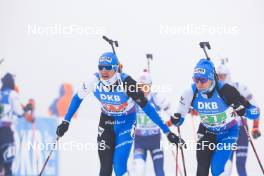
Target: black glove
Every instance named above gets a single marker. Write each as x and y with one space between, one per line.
173 138
62 128
255 133
176 119
28 107
240 110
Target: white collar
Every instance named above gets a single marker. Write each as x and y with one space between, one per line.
112 80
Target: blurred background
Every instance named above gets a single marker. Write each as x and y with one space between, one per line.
49 43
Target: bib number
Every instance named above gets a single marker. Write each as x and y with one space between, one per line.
214 120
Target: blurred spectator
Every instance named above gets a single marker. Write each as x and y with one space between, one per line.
60 105
11 108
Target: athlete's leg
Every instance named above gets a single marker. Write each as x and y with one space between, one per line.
226 144
158 160
157 156
242 151
203 152
124 135
140 156
106 144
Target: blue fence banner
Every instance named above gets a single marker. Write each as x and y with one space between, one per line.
34 141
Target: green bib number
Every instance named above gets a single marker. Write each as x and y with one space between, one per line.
215 119
143 120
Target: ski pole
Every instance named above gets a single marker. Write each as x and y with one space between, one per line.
252 144
48 158
177 160
183 158
177 163
169 123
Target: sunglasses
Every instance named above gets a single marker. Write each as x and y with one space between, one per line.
201 80
106 67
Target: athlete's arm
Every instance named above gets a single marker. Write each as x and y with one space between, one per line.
85 88
242 106
183 108
138 96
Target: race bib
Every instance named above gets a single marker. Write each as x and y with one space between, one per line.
215 119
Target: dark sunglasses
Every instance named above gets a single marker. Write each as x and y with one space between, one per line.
106 67
201 80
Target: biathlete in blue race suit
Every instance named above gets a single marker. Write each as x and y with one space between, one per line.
118 95
219 106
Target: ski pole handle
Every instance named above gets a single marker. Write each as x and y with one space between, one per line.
111 42
107 39
204 45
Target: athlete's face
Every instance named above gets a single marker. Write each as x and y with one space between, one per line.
222 77
106 74
145 88
203 84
